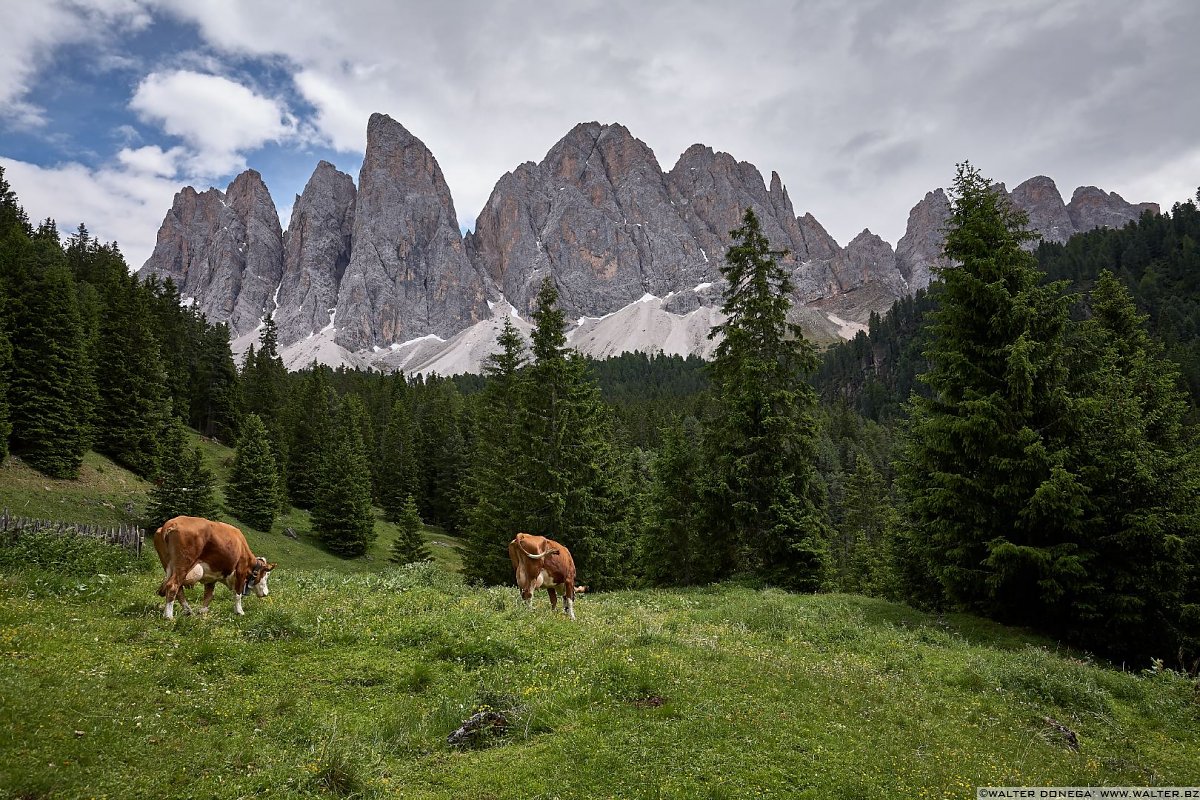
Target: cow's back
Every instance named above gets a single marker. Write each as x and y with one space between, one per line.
192 539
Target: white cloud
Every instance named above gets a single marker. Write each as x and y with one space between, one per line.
217 117
152 160
33 32
122 205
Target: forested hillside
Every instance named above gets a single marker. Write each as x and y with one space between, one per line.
1045 474
1156 258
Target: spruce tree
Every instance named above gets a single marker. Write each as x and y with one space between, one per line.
342 517
133 404
409 546
673 550
216 396
765 501
571 473
253 488
399 472
495 511
443 448
49 386
1142 473
184 486
5 377
985 470
310 429
863 557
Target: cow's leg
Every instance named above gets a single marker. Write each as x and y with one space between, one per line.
553 598
527 597
569 601
170 590
237 604
208 596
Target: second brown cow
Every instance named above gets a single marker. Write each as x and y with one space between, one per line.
542 562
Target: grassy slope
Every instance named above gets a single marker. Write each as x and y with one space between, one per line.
346 683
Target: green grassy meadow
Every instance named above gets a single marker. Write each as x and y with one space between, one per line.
347 680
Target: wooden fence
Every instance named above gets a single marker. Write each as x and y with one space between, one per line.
123 535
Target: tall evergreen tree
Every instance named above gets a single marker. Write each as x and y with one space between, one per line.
863 550
133 404
310 428
765 500
673 549
443 447
264 392
571 471
216 396
253 488
1143 477
183 485
986 466
399 473
495 511
49 384
5 377
409 547
342 517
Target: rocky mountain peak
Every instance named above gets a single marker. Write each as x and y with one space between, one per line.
408 275
1038 197
316 252
224 250
1091 207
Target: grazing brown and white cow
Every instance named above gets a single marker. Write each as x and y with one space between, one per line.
194 550
544 562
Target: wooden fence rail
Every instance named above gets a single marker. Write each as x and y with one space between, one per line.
124 535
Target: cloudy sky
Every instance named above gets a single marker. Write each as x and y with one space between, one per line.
108 107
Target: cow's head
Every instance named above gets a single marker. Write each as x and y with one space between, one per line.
260 571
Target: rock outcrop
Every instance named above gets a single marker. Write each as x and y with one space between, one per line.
1039 198
1092 208
597 214
868 259
316 252
408 274
223 250
919 251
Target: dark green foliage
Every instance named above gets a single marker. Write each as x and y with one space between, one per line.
310 430
216 396
399 471
342 517
183 484
765 501
673 549
986 467
49 385
571 473
253 488
409 546
1143 478
863 545
496 503
264 384
443 451
133 404
5 377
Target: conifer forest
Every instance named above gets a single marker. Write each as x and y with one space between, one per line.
1019 441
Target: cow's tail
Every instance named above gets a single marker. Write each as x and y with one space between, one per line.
166 530
538 556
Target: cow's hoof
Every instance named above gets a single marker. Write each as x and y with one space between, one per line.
202 610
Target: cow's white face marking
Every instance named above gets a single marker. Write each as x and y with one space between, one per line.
260 588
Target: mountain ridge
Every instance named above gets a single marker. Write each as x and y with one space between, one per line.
366 273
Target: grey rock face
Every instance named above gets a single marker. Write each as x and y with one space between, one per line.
224 250
597 215
1039 198
868 259
1092 208
316 253
919 251
408 274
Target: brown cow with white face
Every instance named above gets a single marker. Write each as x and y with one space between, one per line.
544 562
195 550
